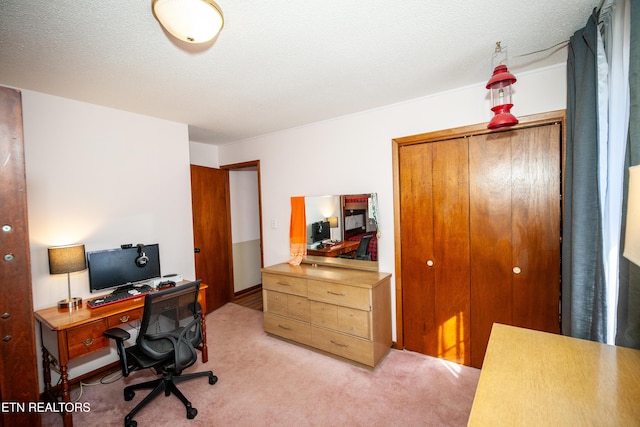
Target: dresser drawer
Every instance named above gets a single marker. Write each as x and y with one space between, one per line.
286 305
343 345
122 319
323 314
87 338
286 284
298 307
354 322
344 295
287 328
275 302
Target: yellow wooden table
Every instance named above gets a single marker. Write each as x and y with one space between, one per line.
532 378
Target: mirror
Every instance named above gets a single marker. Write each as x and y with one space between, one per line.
336 225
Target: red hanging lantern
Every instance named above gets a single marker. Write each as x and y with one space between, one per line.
500 86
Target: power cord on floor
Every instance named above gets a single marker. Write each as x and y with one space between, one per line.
106 379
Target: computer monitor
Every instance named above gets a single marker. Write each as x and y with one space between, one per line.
122 267
320 231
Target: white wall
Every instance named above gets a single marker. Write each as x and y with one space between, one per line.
103 177
359 148
203 155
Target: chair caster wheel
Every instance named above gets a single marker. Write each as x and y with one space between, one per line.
131 423
128 395
191 413
213 379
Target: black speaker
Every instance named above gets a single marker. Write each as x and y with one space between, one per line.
142 258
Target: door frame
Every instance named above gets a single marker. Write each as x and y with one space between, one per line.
557 116
236 167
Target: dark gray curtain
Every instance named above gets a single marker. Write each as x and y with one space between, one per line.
628 333
583 291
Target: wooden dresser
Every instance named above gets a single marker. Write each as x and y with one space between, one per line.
341 311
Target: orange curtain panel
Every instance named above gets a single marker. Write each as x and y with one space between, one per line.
298 231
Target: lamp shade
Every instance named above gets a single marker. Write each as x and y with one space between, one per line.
333 221
67 259
192 21
632 235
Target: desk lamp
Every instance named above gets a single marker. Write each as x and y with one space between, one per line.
67 259
333 223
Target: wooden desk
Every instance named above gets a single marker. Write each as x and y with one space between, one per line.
335 250
70 334
532 378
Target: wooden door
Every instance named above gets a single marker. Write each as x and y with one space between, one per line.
536 213
435 248
514 231
490 235
212 233
18 364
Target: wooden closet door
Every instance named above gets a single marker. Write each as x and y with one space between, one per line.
515 232
435 248
536 213
490 234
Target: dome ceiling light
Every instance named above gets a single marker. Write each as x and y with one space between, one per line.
192 21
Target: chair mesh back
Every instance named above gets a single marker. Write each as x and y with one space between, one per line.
363 247
171 320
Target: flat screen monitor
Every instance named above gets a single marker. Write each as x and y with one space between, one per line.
321 230
114 268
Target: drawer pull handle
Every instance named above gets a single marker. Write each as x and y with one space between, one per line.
284 327
88 342
340 294
284 283
124 319
7 338
338 344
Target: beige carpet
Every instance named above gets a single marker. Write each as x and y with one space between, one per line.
264 381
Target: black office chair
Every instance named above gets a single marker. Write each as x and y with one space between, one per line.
362 252
169 333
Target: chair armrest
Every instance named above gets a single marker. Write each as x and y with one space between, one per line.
120 336
117 334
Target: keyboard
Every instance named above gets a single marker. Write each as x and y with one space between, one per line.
119 297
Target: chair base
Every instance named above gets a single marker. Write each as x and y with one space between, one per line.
166 384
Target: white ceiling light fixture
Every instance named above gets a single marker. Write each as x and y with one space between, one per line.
192 21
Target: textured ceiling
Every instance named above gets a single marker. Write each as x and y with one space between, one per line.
276 64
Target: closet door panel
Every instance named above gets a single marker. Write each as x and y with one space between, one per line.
451 249
536 227
416 219
490 237
435 249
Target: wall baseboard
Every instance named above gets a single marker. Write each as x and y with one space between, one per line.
248 291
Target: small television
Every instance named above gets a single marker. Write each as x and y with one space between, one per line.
122 267
320 231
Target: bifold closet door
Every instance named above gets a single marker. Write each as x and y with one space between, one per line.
434 198
514 232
